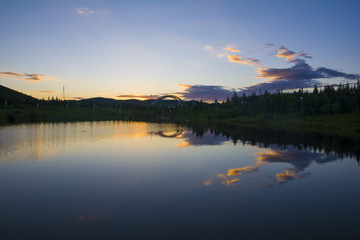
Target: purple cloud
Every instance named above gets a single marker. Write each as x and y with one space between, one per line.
301 75
205 92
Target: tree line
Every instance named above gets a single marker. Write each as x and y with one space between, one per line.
329 99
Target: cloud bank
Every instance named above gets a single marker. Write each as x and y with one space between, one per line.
205 92
299 75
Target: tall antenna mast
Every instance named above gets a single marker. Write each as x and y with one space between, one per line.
63 94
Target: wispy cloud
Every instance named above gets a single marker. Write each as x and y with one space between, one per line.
228 51
270 45
231 49
209 48
89 12
24 76
241 59
231 53
290 56
85 11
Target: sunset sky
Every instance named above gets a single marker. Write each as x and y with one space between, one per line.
195 49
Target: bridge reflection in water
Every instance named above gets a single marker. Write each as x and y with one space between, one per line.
170 134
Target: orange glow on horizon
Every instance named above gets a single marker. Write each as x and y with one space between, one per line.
134 97
184 85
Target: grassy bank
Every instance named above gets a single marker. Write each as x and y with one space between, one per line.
347 124
51 113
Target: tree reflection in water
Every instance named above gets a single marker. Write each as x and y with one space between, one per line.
298 149
265 137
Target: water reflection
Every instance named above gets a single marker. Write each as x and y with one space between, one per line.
136 180
297 159
207 138
46 140
192 138
172 134
294 149
297 152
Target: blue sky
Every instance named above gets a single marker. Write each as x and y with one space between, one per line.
195 49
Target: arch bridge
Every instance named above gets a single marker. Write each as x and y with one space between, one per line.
159 99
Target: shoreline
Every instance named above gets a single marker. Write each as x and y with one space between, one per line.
346 125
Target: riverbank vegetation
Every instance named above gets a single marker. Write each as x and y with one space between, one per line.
328 109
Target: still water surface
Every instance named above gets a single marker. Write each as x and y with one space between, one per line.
131 180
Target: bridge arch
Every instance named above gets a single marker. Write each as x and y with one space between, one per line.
159 99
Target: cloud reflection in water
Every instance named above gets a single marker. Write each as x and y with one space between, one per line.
44 141
300 160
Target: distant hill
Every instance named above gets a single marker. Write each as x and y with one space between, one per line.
11 96
110 101
97 101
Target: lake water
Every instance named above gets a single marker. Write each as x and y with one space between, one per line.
135 180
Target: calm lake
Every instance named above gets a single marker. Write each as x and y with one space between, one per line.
136 180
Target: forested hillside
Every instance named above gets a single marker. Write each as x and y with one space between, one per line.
9 96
